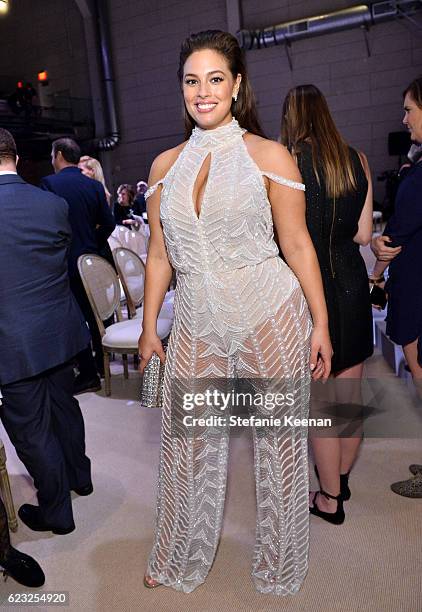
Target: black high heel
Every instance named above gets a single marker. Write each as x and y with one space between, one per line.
344 485
337 517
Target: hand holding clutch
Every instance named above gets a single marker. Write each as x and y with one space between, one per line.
153 382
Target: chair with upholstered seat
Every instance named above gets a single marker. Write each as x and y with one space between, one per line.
135 240
103 291
6 492
131 271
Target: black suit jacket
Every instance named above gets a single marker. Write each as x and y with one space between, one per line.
89 214
41 325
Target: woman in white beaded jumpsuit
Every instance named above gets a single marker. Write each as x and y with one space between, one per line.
240 312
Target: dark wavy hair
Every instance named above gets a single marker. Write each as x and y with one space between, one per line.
415 91
227 45
130 191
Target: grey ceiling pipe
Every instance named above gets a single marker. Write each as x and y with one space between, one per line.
362 15
112 139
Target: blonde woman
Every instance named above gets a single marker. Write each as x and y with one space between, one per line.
92 168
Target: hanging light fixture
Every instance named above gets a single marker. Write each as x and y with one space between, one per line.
4 6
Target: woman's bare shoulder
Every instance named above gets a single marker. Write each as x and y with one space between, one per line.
260 147
163 162
270 156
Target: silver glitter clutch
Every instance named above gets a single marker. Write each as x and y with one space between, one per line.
152 383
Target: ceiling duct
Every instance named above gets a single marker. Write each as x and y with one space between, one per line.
362 16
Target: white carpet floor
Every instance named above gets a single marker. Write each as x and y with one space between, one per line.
372 563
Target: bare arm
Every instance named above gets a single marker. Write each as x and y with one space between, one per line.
378 269
136 221
288 209
364 233
296 244
158 269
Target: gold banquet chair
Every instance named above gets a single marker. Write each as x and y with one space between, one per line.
6 492
103 290
131 271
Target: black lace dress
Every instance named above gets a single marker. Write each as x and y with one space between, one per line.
332 224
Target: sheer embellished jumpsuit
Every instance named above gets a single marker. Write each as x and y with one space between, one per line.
239 312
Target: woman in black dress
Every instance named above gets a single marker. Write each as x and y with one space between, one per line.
339 217
404 286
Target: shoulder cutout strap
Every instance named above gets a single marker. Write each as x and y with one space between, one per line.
153 189
283 181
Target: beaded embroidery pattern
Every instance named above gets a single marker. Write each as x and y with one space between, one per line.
239 312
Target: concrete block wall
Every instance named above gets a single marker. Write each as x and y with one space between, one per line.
363 92
146 39
45 35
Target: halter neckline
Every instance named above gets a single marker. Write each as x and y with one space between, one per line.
216 137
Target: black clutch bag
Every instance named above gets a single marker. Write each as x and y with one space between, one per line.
378 296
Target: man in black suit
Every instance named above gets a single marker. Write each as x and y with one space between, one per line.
92 223
41 330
